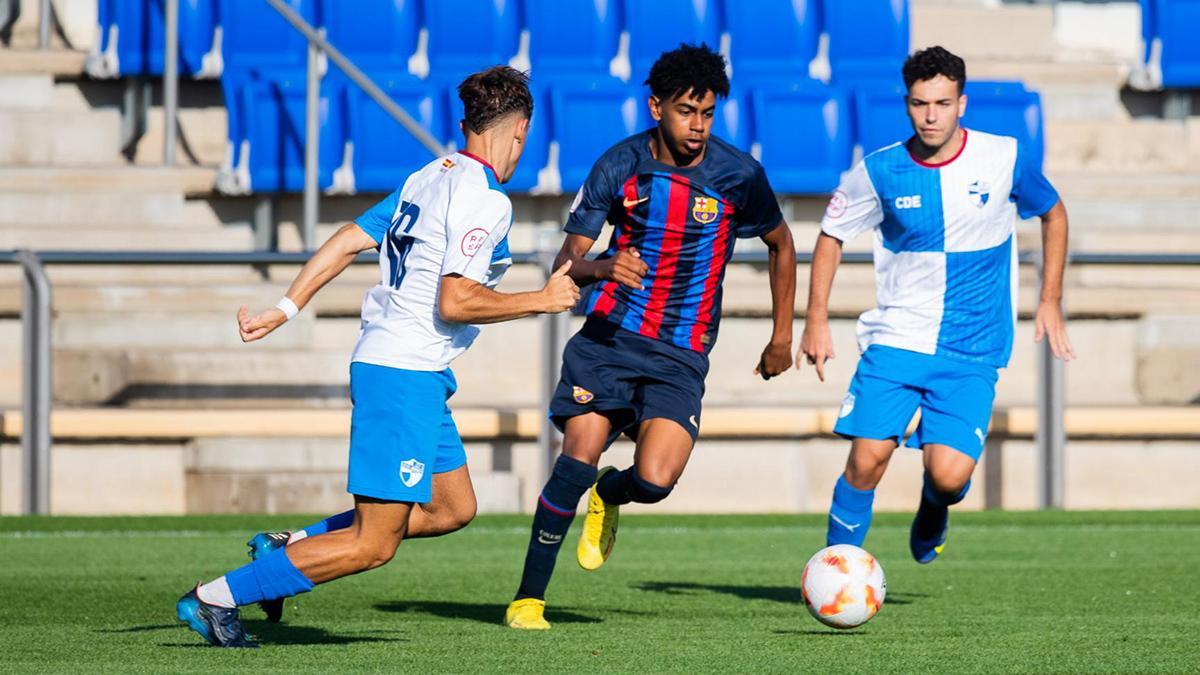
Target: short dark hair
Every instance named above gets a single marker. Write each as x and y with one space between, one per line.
694 68
929 63
490 95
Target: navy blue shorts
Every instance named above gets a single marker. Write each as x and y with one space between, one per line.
629 378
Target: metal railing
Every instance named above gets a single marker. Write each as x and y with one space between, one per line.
36 311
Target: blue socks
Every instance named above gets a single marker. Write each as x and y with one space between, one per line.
268 578
622 487
849 515
555 511
336 522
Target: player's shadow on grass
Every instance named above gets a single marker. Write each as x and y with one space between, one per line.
267 633
817 631
489 613
787 594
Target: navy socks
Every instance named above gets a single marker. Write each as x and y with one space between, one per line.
555 511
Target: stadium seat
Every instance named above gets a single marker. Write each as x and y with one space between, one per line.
537 143
384 153
373 34
1006 108
132 39
769 39
731 120
659 26
1177 22
274 114
880 118
802 135
868 39
588 118
586 49
469 35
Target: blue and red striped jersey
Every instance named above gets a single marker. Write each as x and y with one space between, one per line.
683 223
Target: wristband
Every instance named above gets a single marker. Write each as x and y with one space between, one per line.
289 308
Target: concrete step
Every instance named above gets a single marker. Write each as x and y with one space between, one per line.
984 32
1123 146
56 62
114 238
26 92
112 178
59 138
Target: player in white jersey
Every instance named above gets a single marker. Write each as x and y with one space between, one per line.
943 207
442 240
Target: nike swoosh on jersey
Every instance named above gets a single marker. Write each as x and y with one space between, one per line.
630 203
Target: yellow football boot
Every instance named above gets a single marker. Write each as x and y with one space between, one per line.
599 529
526 614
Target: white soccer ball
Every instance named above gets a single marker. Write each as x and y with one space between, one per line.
843 586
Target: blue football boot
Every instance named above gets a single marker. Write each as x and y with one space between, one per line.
927 537
219 626
260 545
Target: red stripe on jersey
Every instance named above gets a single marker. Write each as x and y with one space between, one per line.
608 291
715 267
668 257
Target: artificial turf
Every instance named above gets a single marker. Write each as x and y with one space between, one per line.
1014 592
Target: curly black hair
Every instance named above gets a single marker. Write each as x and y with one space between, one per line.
490 95
690 68
929 63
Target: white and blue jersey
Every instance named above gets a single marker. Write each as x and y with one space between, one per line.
945 244
450 218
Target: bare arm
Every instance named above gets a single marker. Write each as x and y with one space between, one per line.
462 300
626 267
781 253
816 343
1050 322
334 256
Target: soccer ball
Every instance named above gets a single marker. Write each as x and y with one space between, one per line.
843 586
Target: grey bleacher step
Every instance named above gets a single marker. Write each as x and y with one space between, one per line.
180 327
984 32
1122 146
101 197
116 238
26 92
57 62
59 138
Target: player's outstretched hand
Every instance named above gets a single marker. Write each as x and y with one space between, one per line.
560 292
816 345
1051 325
775 360
256 327
627 268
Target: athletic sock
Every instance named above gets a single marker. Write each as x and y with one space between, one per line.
934 510
339 521
849 514
268 578
555 510
216 592
622 487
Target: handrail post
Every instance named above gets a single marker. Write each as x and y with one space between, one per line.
308 232
1051 437
35 376
554 338
170 80
45 18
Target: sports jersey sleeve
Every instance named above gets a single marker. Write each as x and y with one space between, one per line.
760 214
376 220
592 203
854 207
473 231
1032 192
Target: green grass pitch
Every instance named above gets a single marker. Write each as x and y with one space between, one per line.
1038 592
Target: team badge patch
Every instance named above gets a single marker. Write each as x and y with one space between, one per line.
847 406
978 192
411 472
582 395
704 210
447 163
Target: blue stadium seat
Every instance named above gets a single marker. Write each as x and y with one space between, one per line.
770 39
1177 23
880 117
588 118
659 26
1008 109
132 39
586 48
384 152
803 134
373 34
868 39
274 114
537 142
732 121
470 35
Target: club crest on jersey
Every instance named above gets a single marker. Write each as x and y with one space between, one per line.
978 193
704 210
582 395
447 163
411 472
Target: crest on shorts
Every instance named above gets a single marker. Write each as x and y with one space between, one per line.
411 472
978 193
582 395
704 210
847 406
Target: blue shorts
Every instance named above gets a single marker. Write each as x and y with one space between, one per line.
401 432
955 398
629 378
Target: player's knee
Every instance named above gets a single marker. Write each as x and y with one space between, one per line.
369 554
948 486
461 515
648 489
864 471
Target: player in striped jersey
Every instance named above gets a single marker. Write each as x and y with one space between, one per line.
678 199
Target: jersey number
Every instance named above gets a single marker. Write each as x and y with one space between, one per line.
399 242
